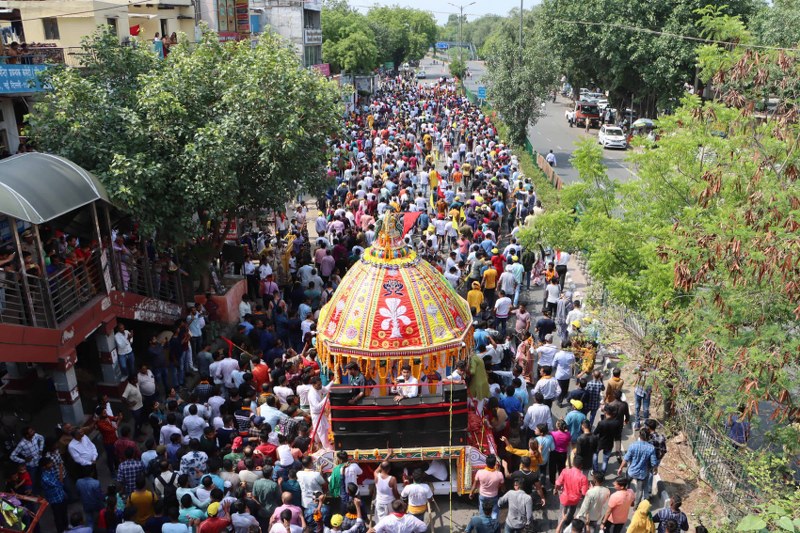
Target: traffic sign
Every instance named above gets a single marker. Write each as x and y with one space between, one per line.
441 45
482 93
389 65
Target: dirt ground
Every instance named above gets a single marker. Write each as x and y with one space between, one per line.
679 470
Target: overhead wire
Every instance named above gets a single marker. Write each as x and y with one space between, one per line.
703 40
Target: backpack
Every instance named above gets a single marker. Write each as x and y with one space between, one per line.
170 491
153 468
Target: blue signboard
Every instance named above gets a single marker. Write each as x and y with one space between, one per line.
482 93
20 78
442 45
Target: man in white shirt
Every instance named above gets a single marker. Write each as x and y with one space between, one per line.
225 371
561 260
317 396
399 522
418 494
502 308
537 413
193 425
168 429
147 385
133 398
546 351
123 339
82 450
408 385
311 482
244 307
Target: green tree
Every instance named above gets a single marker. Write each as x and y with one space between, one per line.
597 45
458 68
520 80
355 53
777 23
208 132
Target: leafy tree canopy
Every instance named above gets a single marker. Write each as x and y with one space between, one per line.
396 33
213 129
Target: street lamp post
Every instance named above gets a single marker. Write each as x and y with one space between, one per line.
461 27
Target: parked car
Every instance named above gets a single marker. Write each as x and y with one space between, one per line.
602 103
586 111
421 74
611 136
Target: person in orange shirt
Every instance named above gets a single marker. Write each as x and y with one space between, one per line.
457 175
260 373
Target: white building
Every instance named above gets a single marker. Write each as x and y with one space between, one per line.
299 22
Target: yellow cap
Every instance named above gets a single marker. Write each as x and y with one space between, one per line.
336 520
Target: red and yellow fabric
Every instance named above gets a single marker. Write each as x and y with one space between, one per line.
394 306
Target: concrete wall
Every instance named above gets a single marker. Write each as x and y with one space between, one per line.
287 21
79 18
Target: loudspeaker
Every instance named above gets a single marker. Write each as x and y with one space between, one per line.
340 396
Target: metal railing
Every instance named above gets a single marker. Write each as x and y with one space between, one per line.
135 273
73 287
721 461
52 300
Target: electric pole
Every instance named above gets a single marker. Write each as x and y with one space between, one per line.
461 27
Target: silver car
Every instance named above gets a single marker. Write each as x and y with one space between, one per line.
612 137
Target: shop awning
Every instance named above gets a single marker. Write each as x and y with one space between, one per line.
37 187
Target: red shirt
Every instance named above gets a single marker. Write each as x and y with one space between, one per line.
499 263
573 486
107 431
260 375
121 445
268 450
214 524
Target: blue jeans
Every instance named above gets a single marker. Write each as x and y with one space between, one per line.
642 406
486 500
516 295
591 415
606 455
526 279
161 377
643 487
126 364
501 324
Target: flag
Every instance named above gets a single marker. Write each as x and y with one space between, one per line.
135 30
409 219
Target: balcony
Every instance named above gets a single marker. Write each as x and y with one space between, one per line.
312 36
52 294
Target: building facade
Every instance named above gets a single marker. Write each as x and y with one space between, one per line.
298 22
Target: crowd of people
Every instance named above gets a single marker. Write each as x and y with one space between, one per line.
223 425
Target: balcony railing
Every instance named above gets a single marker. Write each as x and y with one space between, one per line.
51 300
137 274
29 300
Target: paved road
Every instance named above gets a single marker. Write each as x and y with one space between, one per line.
552 132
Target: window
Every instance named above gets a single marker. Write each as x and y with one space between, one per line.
51 28
112 25
312 55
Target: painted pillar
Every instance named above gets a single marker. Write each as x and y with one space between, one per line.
66 385
111 381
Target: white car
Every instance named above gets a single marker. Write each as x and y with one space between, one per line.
421 74
612 137
602 103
